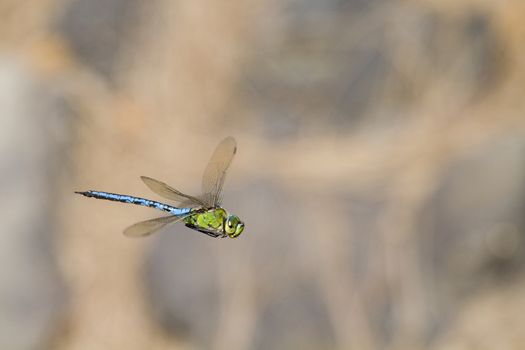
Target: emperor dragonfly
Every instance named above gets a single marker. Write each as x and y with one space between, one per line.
202 213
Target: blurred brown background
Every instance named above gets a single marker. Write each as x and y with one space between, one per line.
380 173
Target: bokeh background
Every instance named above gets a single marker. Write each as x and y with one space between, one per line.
380 172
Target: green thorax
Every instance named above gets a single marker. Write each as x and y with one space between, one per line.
215 222
211 220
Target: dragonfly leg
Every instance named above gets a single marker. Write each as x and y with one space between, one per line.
210 233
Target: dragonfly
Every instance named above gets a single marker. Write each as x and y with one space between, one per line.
203 213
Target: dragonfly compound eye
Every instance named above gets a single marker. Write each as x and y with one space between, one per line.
238 230
233 226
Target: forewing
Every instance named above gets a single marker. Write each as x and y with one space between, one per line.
146 228
170 193
215 172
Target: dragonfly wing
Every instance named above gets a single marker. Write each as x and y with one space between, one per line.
146 228
188 203
169 192
215 172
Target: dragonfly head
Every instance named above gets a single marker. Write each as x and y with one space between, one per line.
233 226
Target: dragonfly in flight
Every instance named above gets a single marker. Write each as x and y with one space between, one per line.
203 213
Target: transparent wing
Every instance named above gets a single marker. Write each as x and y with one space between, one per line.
215 172
146 228
188 203
169 192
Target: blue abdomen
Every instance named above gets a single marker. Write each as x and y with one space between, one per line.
136 200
